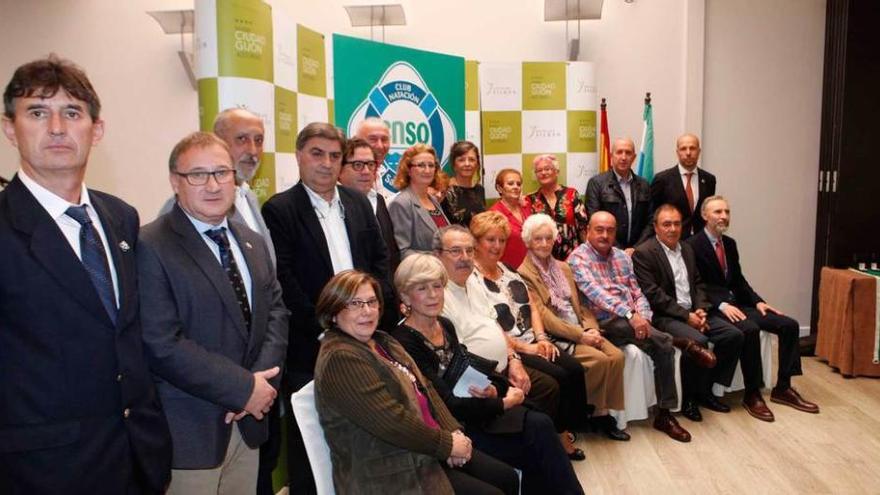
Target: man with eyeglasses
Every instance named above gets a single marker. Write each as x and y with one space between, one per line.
243 132
319 229
215 326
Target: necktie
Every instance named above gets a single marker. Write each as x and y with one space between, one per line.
719 253
689 190
94 259
218 235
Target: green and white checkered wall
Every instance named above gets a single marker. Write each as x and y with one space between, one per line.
531 108
247 57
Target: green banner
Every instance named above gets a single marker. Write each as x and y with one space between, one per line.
244 39
311 62
543 86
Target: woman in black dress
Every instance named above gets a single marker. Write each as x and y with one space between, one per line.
463 198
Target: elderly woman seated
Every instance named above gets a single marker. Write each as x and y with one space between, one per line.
508 297
493 416
572 328
387 429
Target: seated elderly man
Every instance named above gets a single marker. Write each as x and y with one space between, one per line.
476 327
604 275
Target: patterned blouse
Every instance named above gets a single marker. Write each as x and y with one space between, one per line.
509 296
461 203
570 216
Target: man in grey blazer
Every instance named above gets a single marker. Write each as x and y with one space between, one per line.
243 132
215 326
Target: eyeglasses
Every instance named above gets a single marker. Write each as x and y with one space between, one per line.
359 165
424 165
359 305
457 252
200 178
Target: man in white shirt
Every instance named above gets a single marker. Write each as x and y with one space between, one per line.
319 229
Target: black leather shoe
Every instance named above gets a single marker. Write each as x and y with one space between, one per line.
712 403
691 410
576 455
608 427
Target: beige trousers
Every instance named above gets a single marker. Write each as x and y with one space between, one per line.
237 474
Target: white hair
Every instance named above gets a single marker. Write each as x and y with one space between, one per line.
536 222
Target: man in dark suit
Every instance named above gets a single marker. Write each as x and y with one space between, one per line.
668 275
684 185
727 288
79 413
215 327
319 229
624 194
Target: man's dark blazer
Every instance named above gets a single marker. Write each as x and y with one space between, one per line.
78 408
658 281
199 347
304 264
387 229
731 288
667 187
604 194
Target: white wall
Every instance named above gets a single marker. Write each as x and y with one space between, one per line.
762 116
755 52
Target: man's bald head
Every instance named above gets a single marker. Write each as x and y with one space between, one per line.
623 153
601 231
375 131
687 147
243 131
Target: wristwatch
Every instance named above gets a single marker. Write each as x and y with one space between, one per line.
629 314
513 355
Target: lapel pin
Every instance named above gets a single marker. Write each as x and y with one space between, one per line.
248 245
124 246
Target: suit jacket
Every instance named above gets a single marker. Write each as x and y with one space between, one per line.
200 349
604 194
413 227
236 215
658 282
387 228
552 323
731 288
304 265
79 412
668 188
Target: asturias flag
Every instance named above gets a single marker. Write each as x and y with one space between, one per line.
646 153
604 147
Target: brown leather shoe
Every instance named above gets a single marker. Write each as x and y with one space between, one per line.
791 397
667 424
755 405
700 355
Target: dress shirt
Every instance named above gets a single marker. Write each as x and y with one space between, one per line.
713 241
680 274
202 227
695 182
475 323
371 195
57 207
331 215
244 208
625 186
608 283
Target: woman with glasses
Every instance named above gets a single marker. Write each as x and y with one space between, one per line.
463 198
572 327
508 183
387 429
494 416
518 316
563 204
415 214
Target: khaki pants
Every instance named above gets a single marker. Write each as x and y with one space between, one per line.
237 475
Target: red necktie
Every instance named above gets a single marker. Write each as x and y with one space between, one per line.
719 252
689 190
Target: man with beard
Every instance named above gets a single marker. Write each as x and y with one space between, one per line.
728 290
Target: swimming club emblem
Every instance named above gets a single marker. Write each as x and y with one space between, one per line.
403 100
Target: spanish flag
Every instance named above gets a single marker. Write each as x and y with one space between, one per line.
604 142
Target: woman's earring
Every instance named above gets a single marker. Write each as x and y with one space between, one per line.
405 309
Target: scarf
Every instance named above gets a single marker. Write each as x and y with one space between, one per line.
560 292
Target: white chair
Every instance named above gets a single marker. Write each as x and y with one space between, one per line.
303 403
638 385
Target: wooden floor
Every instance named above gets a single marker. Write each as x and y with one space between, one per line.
835 451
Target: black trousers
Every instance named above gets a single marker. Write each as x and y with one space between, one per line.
727 341
573 410
788 331
658 346
483 474
536 451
